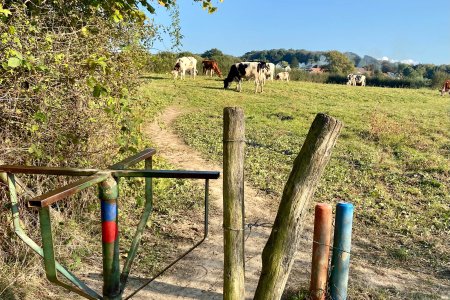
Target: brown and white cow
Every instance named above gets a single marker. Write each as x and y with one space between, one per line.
445 87
283 76
212 66
184 64
247 70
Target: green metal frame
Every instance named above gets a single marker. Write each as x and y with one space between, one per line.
114 282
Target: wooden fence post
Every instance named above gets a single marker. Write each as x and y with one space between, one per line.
233 203
279 252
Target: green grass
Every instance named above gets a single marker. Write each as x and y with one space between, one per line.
392 159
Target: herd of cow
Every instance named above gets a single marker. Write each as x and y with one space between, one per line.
259 71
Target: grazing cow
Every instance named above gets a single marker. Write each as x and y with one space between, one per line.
351 79
212 66
270 71
184 64
360 80
445 87
283 76
246 70
354 80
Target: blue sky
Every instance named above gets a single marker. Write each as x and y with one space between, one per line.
416 30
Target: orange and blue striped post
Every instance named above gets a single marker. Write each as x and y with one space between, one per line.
108 194
321 251
340 261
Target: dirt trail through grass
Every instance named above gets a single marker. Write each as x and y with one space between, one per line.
199 275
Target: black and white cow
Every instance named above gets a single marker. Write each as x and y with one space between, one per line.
247 70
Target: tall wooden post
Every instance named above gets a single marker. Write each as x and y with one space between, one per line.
233 203
279 252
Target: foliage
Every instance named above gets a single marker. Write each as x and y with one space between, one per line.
338 63
68 71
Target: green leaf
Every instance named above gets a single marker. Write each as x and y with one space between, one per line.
14 62
99 90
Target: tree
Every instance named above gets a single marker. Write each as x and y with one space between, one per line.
211 53
338 63
294 62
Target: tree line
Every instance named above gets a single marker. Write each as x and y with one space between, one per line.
336 65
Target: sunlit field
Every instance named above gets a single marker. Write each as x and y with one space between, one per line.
392 159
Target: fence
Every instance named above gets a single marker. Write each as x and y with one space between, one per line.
114 281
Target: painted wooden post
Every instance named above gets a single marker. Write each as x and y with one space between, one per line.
321 251
108 194
233 203
279 253
342 243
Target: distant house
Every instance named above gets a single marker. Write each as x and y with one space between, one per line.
393 75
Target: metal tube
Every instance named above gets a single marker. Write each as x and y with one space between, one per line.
141 226
341 251
321 251
108 194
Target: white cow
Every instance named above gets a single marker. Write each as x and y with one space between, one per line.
283 76
354 80
239 71
351 79
360 80
184 64
270 71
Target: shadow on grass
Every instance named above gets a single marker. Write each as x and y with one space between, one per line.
153 77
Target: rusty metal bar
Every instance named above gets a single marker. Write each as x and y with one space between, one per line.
130 161
167 174
48 170
49 198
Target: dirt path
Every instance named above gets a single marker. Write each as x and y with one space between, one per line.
199 275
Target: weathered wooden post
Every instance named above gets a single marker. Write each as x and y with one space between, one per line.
233 203
279 252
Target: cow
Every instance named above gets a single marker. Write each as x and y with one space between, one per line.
445 87
283 76
212 66
351 79
184 64
270 71
360 80
356 79
247 70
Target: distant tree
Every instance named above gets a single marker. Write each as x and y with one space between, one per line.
338 63
211 53
438 79
294 63
387 66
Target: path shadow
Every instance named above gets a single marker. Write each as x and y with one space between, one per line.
153 77
164 288
212 88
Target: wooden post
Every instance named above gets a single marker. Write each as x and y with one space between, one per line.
279 252
233 203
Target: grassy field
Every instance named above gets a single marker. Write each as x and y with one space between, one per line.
392 160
